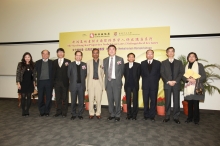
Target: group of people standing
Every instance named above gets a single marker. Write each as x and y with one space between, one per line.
64 76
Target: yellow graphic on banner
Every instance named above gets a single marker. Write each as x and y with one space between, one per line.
136 40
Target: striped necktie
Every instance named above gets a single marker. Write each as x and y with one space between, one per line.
110 69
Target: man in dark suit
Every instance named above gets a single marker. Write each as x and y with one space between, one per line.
150 73
171 72
77 72
43 68
114 70
132 76
61 83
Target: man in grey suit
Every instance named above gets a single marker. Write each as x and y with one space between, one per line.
113 69
171 73
77 72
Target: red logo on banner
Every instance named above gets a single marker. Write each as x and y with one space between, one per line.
91 35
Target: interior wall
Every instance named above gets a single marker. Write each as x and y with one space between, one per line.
25 20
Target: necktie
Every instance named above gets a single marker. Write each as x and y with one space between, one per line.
110 69
60 63
148 62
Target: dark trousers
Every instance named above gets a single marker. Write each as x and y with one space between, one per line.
25 102
193 110
78 91
61 93
132 112
150 112
44 88
176 102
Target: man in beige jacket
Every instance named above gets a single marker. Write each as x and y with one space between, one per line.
95 83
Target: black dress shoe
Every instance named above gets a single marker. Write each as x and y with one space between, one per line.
27 113
128 118
80 117
23 115
152 119
166 120
110 118
56 115
145 118
47 115
134 118
73 118
117 119
41 115
177 121
188 121
196 123
64 115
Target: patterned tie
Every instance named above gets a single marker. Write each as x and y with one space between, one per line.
149 62
110 70
60 63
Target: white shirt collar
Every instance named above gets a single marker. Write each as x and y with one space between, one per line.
171 59
78 62
131 64
150 61
45 60
61 59
113 57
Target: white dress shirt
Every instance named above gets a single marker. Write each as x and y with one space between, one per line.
78 62
45 60
150 61
113 66
130 64
171 60
60 59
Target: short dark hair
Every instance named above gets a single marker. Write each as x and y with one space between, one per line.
131 54
95 49
79 52
45 50
193 54
150 50
169 49
112 46
60 49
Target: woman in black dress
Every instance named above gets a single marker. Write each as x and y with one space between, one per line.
25 78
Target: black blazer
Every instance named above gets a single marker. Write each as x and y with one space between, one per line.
38 65
64 69
150 79
72 74
136 74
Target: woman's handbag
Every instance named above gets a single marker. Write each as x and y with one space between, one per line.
199 90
